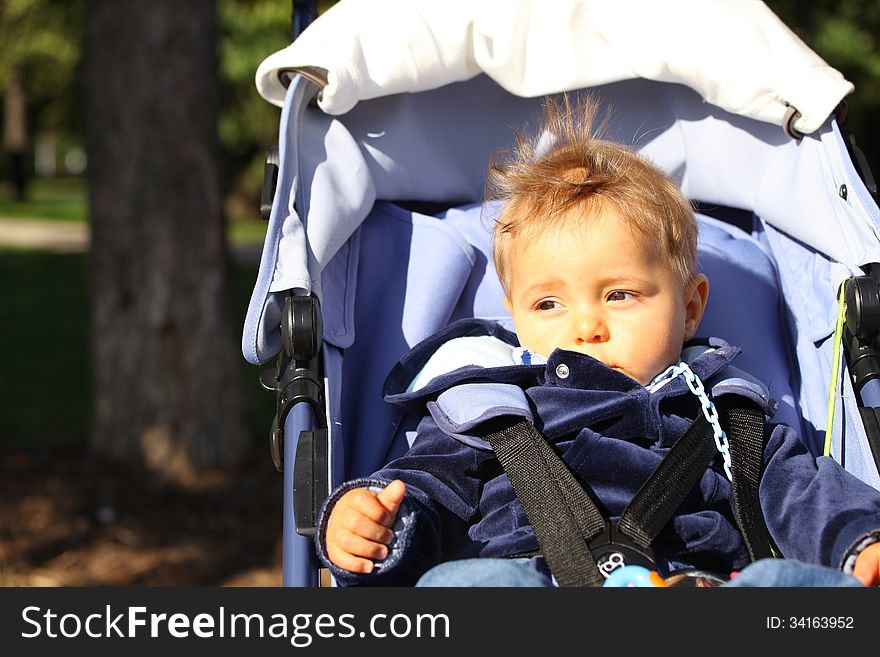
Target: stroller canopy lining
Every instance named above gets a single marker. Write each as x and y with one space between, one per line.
432 147
737 55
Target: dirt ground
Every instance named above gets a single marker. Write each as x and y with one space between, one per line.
67 519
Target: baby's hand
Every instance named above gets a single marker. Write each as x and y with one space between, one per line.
358 528
867 568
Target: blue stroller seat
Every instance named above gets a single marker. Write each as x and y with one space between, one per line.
377 236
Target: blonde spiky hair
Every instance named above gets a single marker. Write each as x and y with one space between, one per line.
567 165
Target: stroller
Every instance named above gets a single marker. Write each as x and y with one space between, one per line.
391 110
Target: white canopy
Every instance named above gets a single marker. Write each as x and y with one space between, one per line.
735 53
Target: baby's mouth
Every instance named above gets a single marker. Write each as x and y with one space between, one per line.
623 370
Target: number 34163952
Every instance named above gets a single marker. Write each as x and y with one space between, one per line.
810 622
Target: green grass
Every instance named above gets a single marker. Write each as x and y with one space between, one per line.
44 371
44 396
62 199
246 231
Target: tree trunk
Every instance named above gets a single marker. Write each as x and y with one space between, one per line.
164 357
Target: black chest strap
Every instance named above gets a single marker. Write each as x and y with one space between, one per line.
744 423
566 521
562 515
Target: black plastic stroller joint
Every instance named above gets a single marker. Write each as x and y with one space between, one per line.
861 342
863 308
270 182
863 329
298 379
302 328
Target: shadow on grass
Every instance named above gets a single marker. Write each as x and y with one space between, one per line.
44 398
44 387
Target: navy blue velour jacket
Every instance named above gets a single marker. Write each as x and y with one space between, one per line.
612 433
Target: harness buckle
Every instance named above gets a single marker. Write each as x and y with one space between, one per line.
612 549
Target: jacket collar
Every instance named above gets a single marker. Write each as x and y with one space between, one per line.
583 372
402 374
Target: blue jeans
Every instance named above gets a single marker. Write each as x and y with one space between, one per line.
788 572
519 573
485 572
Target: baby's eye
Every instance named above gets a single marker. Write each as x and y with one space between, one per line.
620 295
546 304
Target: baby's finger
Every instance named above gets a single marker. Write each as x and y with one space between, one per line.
358 546
366 503
391 497
355 522
348 561
867 566
866 572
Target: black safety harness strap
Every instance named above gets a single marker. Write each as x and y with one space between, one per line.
562 515
665 490
744 421
571 530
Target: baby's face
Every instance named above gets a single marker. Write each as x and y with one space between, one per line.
604 291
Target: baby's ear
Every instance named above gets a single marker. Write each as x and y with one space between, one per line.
695 296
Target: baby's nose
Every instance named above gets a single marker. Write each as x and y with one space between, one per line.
590 330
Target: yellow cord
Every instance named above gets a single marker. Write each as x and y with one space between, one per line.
835 367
